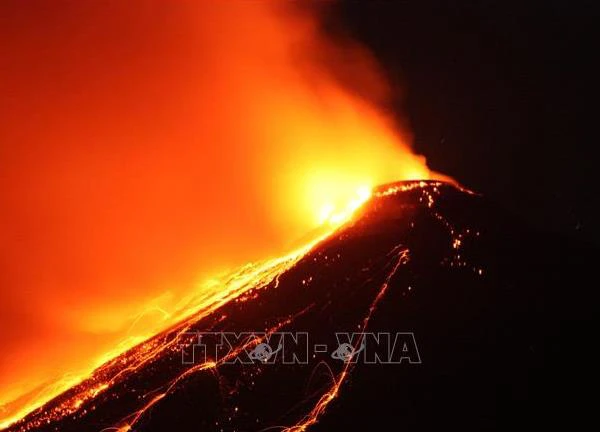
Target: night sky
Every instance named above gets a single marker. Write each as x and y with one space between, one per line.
499 95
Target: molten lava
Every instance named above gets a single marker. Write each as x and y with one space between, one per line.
239 286
146 147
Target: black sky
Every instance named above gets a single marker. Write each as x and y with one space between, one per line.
498 95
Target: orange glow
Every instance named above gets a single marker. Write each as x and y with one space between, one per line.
148 146
118 364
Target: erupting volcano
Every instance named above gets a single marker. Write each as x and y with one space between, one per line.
149 148
419 257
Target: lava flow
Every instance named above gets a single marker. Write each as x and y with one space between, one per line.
217 292
213 294
146 147
114 381
418 258
238 286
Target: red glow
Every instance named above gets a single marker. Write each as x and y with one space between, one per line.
146 146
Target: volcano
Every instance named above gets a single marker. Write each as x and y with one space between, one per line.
457 315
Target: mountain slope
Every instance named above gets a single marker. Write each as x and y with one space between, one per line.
495 312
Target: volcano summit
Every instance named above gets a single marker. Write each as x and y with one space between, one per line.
430 308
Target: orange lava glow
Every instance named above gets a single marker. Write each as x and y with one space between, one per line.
146 147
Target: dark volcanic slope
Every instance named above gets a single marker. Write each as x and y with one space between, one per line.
499 315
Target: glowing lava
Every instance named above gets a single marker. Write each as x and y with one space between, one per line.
190 138
334 216
245 293
252 276
129 356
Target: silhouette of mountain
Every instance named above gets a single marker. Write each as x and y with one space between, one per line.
489 326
